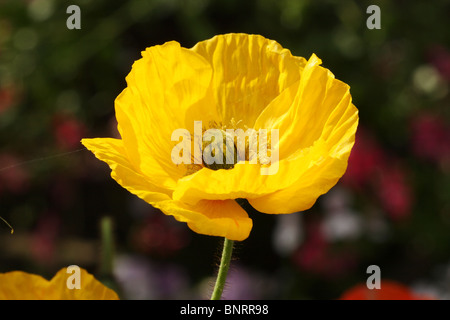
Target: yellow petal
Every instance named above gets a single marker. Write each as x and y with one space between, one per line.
230 77
318 179
249 72
214 218
113 153
19 285
90 288
245 180
277 112
220 218
319 101
339 132
314 147
168 88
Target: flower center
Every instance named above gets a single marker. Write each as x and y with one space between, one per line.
219 150
218 145
223 146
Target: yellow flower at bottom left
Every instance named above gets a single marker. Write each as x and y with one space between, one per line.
19 285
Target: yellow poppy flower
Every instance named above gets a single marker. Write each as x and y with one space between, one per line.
19 285
236 81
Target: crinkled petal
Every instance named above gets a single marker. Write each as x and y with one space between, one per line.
19 285
112 151
233 78
320 177
315 107
211 217
90 288
314 148
246 180
249 72
168 88
219 218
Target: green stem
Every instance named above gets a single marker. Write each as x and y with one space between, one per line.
106 272
223 269
107 247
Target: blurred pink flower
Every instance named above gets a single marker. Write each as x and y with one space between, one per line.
316 256
142 279
439 56
394 192
68 132
374 171
44 237
365 159
430 139
7 98
13 177
248 284
159 236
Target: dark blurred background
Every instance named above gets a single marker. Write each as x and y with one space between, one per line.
391 209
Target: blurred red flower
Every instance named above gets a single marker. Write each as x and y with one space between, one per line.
68 132
6 98
159 236
13 177
45 236
316 255
365 159
430 139
389 290
439 56
394 192
372 170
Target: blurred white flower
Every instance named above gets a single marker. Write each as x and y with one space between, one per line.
340 221
288 233
341 225
139 279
